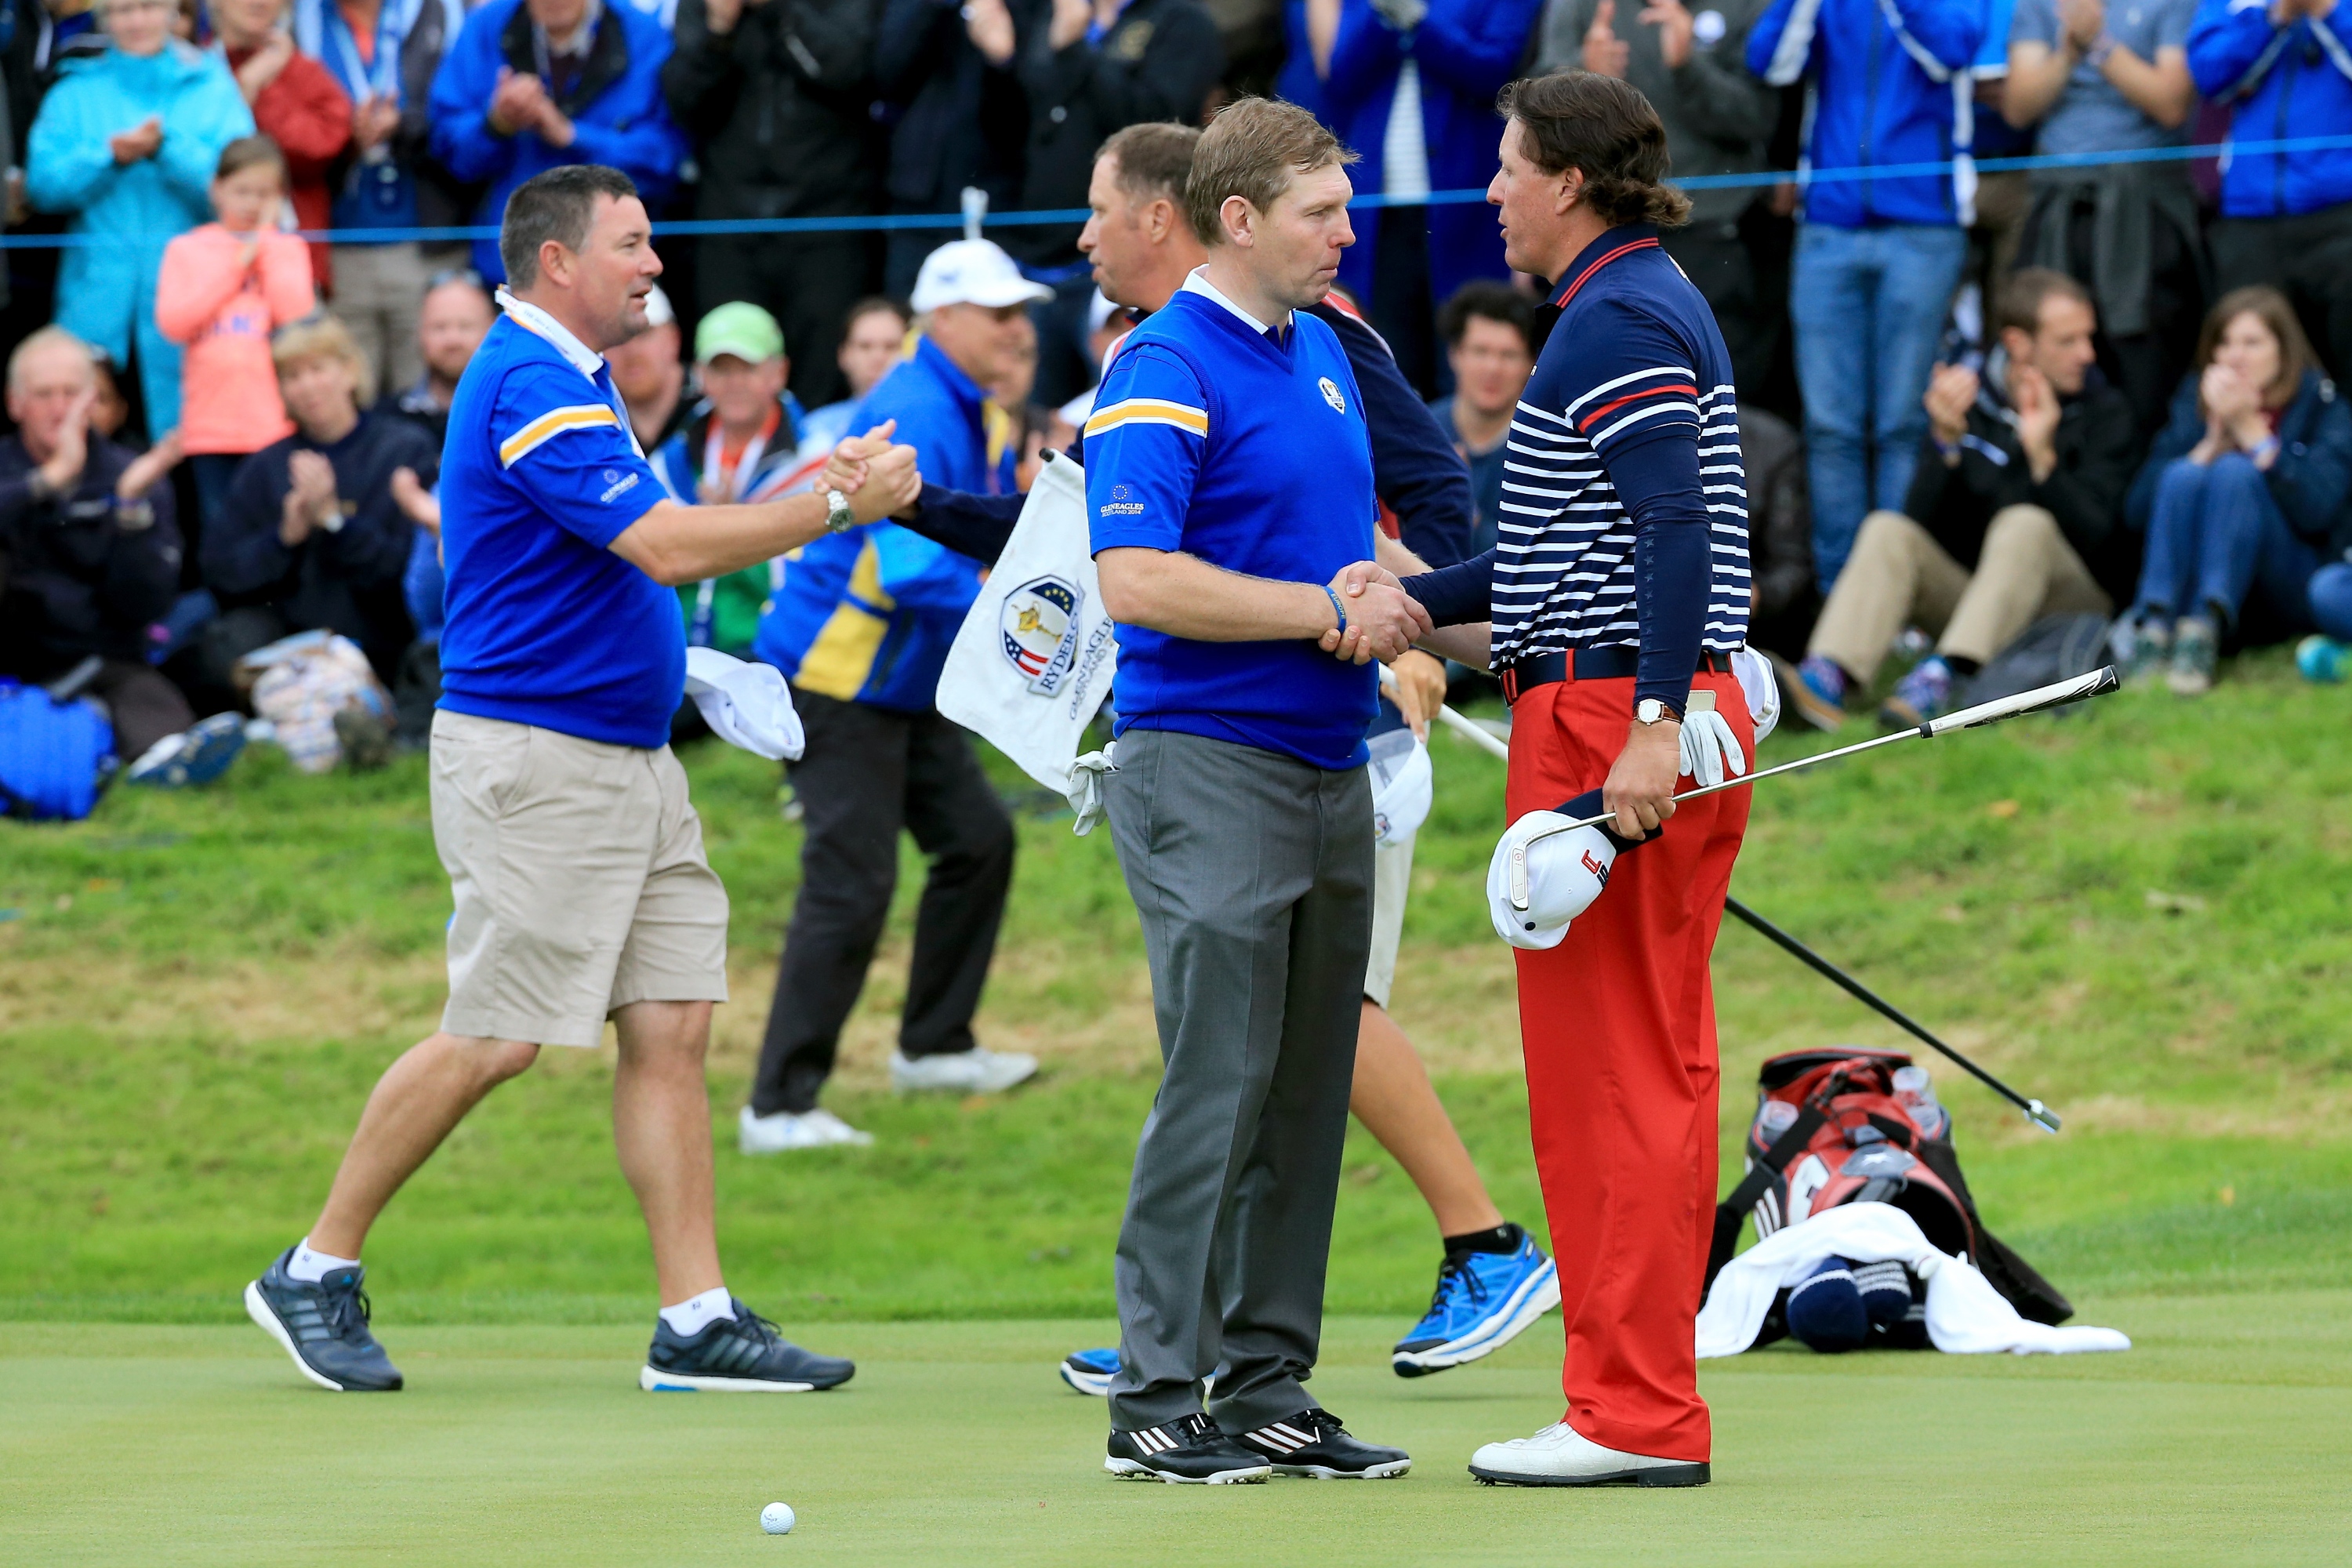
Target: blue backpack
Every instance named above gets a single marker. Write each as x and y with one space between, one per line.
56 757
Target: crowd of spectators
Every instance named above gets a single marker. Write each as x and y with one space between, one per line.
1973 399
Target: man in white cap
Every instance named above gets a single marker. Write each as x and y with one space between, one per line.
650 375
861 627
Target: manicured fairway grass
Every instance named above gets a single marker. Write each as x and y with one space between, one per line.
2220 1439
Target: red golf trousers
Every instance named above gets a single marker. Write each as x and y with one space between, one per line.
1618 1023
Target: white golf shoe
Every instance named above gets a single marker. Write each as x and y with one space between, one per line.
818 1128
976 1071
1560 1456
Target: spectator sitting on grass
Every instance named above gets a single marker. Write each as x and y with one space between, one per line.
311 536
2021 478
741 445
222 290
1489 342
126 142
872 341
89 556
649 376
2243 497
455 317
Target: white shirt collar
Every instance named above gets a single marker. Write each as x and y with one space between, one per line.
533 320
1197 282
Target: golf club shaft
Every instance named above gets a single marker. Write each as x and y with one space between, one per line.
1475 733
2041 1115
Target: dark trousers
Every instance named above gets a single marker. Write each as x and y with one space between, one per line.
867 772
808 282
2307 257
144 706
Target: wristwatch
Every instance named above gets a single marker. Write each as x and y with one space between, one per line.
1650 710
838 518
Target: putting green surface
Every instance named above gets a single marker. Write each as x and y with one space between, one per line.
2221 1437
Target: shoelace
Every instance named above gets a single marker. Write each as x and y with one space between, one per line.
1456 1275
766 1332
341 1306
1199 1431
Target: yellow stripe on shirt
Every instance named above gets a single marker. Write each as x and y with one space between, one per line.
552 423
1149 411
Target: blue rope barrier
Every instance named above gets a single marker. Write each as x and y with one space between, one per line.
885 223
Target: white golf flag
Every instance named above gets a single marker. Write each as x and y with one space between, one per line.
1035 657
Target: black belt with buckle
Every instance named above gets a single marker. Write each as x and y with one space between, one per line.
1617 663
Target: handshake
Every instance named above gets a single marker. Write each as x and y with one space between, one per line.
1379 619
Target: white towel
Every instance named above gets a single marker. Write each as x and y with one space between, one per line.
746 705
1965 1315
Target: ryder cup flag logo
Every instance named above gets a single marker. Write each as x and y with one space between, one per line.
1039 631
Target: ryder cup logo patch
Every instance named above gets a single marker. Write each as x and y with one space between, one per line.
1038 630
1331 395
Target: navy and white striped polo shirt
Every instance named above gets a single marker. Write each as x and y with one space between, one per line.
1631 379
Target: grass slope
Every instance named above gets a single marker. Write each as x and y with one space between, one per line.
2218 1438
2140 914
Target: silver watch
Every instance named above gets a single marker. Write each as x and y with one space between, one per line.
837 515
1650 710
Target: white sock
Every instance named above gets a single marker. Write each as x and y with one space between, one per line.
312 1266
696 1313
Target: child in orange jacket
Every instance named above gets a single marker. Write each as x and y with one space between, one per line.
223 290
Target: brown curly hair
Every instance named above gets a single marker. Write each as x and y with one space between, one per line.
1606 131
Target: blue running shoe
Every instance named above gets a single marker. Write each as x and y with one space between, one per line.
323 1326
742 1354
1483 1301
196 756
1089 1372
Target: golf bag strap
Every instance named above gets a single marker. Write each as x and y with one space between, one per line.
1732 1212
2019 1282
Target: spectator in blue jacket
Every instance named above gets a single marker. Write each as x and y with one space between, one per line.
2285 71
2244 498
532 84
125 143
1412 86
861 627
1878 257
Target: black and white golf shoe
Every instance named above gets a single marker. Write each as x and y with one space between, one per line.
1193 1451
1314 1446
742 1354
324 1325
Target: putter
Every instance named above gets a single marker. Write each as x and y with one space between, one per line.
2057 694
2041 1115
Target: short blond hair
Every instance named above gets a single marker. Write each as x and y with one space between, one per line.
324 337
1254 148
41 340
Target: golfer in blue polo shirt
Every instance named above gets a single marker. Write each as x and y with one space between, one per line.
574 857
1229 481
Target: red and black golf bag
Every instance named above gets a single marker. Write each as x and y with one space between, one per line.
1831 1128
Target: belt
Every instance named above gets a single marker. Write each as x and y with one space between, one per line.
1617 663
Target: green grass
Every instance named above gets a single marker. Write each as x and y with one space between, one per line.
2218 1438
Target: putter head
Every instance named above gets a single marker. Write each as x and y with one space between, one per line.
2042 1116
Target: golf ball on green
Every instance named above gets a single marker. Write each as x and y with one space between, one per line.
778 1518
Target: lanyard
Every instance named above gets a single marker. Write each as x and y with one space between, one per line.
392 23
738 483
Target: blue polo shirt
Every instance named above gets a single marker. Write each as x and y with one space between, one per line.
546 626
1249 450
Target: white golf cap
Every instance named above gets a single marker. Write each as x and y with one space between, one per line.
974 272
657 307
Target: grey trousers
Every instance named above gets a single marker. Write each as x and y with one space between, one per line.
1252 874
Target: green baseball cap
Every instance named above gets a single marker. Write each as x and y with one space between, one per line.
741 328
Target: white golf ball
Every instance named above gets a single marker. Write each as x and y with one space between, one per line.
778 1518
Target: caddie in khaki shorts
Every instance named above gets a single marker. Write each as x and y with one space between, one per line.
574 857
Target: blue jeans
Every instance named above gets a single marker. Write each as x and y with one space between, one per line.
2214 536
2331 600
1868 305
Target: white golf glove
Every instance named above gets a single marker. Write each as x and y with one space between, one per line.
1761 687
1085 787
1560 876
1709 748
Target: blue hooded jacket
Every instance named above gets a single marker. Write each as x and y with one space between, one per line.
2280 83
106 291
1887 82
1465 50
616 109
868 615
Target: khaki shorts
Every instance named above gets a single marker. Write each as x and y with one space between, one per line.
1392 887
579 882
